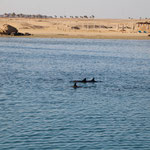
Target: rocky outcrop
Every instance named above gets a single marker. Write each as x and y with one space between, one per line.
75 27
8 29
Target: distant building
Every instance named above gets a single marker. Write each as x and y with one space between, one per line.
144 26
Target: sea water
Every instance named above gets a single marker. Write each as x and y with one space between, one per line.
39 108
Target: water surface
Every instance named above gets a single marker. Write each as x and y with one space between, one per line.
39 109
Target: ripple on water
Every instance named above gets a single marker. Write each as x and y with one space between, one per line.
39 108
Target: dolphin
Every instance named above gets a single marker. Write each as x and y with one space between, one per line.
92 80
75 86
83 81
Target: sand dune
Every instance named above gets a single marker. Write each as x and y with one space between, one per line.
81 28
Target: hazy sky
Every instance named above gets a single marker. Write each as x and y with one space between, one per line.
99 8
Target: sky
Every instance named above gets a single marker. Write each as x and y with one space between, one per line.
98 8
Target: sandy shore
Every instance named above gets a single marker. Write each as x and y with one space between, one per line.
80 28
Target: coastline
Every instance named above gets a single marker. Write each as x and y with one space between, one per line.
101 36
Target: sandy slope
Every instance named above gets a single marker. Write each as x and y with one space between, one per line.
87 28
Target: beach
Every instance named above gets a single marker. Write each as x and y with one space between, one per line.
81 28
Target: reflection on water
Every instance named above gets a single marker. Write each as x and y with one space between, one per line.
39 108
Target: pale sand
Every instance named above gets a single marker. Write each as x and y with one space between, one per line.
89 28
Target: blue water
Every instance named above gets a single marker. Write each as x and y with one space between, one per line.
39 108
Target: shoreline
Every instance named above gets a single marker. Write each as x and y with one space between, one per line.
83 36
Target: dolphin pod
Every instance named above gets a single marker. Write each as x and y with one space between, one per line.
85 80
